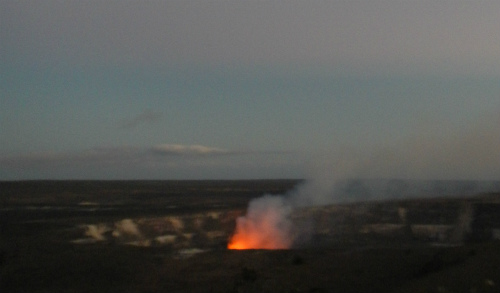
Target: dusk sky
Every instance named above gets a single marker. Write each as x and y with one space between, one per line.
249 89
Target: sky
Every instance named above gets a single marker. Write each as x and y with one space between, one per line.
249 89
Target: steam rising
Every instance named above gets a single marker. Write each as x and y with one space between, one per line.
465 163
267 225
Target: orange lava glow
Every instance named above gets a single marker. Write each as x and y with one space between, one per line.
251 241
264 227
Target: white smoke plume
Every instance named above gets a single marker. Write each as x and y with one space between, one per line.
267 225
469 161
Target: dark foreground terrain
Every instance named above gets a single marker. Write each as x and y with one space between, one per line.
170 236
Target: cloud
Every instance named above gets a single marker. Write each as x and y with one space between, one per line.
188 150
107 155
404 34
473 153
165 161
110 155
146 117
54 159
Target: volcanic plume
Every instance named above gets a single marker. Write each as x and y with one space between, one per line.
407 169
266 225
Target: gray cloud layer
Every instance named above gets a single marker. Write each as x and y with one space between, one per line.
470 154
189 150
112 154
166 161
359 35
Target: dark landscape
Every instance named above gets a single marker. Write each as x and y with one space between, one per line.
249 146
172 236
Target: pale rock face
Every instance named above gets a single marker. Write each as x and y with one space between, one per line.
84 241
402 213
214 215
188 236
166 239
140 243
96 231
177 223
189 252
215 234
127 227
